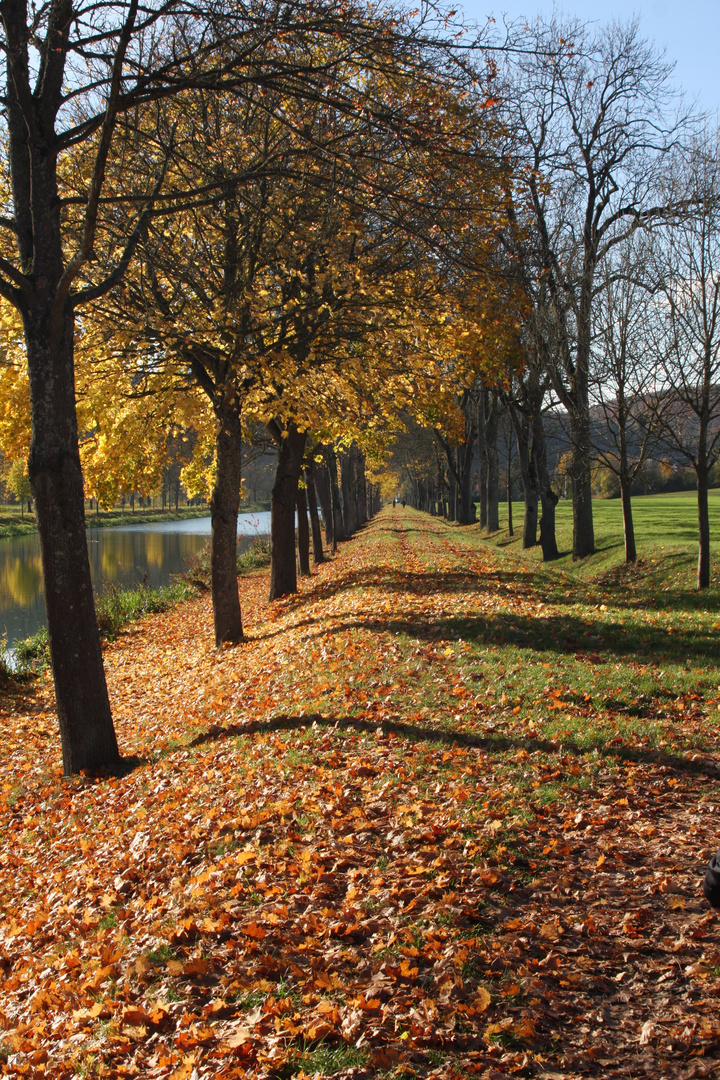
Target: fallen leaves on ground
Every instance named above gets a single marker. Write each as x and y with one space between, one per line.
358 845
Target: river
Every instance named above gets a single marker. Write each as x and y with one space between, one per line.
123 556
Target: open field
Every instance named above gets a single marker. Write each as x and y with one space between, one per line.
665 526
444 814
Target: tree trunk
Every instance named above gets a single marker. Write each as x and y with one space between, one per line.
491 457
339 532
548 498
629 528
371 494
523 426
361 486
452 495
86 728
303 534
466 514
493 491
224 506
581 474
703 571
283 571
347 481
324 494
548 542
530 518
465 503
318 554
483 492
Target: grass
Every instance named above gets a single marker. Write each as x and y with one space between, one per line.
630 649
596 659
324 1060
112 518
118 608
665 530
31 655
418 773
13 523
260 507
115 608
256 557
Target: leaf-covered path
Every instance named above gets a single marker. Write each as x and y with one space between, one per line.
439 816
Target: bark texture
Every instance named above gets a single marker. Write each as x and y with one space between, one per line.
283 571
303 534
581 475
491 416
339 530
548 498
86 729
628 526
317 546
324 494
347 482
227 616
703 571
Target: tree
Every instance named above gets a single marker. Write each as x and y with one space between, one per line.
685 396
82 88
624 433
18 482
526 399
458 445
591 115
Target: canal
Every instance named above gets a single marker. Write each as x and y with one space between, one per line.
123 556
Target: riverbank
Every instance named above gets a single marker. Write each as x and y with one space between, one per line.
119 608
444 812
13 524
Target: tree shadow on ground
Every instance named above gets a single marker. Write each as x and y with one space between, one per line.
644 585
564 634
490 743
396 531
413 582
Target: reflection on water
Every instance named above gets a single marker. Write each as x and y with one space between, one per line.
123 556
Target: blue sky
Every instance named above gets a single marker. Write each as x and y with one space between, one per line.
689 31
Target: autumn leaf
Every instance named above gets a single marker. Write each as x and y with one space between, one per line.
318 880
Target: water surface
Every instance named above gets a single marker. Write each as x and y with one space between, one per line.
123 556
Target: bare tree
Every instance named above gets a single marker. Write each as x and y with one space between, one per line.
624 432
489 410
591 111
685 398
527 400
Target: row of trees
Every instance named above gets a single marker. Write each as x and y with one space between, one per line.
216 215
620 258
316 220
610 256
